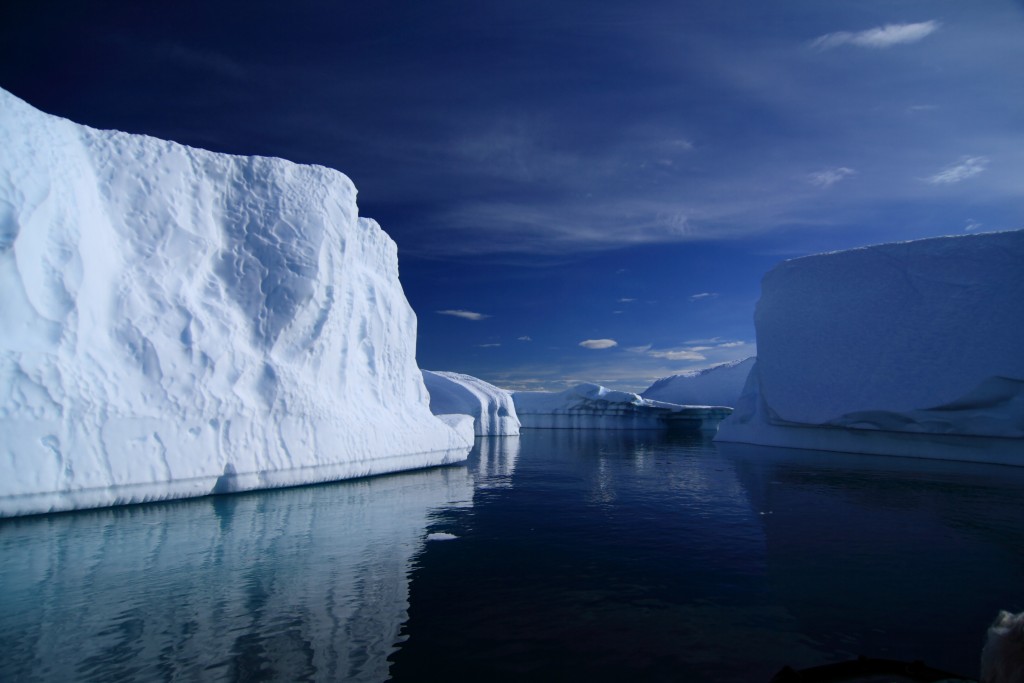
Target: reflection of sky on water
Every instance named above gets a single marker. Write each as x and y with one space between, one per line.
611 556
897 557
645 555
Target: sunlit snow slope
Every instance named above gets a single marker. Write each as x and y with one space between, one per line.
176 322
912 348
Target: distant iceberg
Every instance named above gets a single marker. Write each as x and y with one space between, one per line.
719 385
591 406
909 349
492 409
177 322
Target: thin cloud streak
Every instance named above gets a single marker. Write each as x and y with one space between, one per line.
966 168
877 38
467 315
830 177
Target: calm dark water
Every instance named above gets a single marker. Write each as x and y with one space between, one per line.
558 555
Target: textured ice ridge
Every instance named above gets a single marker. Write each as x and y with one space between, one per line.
176 321
899 349
592 406
492 409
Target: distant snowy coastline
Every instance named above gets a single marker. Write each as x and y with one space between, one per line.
719 385
585 406
591 406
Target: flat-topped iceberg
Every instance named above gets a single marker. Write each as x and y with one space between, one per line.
903 349
719 385
492 409
592 406
177 322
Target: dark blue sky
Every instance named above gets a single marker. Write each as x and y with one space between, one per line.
581 170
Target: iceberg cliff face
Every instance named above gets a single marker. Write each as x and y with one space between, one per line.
491 408
591 406
903 349
720 385
177 322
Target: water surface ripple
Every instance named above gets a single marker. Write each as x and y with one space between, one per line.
557 555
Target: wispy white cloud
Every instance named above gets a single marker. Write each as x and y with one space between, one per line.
598 343
694 353
625 300
972 225
731 345
962 170
468 315
524 338
879 37
703 295
830 176
488 346
678 354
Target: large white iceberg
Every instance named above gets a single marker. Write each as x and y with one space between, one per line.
491 408
175 322
592 406
719 385
912 349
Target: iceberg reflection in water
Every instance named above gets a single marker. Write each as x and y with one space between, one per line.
554 555
297 584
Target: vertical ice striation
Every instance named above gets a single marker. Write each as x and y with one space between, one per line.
175 320
492 409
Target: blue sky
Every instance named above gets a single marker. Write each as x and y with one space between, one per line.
563 175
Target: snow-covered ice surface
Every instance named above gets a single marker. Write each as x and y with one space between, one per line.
177 322
912 349
492 409
720 385
591 406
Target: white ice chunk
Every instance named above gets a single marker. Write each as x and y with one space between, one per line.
904 349
176 321
492 409
719 385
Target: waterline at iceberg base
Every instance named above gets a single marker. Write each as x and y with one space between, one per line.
907 349
178 322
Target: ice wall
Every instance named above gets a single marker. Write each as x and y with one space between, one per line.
176 322
491 408
720 385
905 349
591 406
